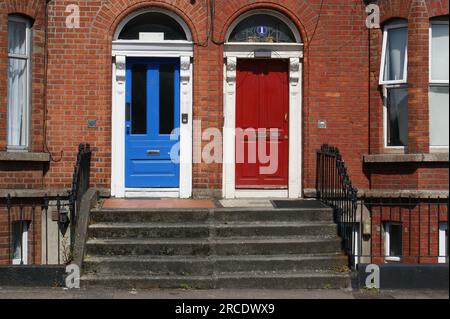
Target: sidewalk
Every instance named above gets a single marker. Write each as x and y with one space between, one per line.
60 293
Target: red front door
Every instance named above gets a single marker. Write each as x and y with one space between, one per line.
262 104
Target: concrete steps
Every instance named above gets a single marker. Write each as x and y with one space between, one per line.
191 230
214 248
269 280
185 265
222 246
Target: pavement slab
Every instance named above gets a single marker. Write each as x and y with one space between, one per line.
179 294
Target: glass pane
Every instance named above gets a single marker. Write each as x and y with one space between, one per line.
394 68
396 240
17 102
397 109
166 98
16 240
439 116
139 99
262 28
17 37
439 52
153 22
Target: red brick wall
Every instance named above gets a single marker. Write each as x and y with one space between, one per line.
420 230
417 13
409 176
336 71
80 88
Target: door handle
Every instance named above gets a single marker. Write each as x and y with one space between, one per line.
128 129
153 152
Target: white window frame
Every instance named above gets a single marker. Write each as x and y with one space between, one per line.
387 241
435 83
391 84
443 229
356 233
27 57
386 29
385 116
24 249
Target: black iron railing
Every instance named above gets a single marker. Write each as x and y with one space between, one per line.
32 237
380 229
335 189
403 230
36 227
80 185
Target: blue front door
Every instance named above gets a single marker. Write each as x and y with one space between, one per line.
152 115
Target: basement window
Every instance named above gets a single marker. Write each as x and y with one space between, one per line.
393 243
443 243
393 78
439 83
19 237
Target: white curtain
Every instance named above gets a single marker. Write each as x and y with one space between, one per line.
439 52
17 84
439 114
394 68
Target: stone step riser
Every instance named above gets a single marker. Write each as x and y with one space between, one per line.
330 282
142 233
203 268
148 217
205 232
204 249
323 215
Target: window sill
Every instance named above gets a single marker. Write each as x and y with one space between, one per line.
406 158
24 157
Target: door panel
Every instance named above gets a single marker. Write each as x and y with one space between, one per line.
153 107
262 102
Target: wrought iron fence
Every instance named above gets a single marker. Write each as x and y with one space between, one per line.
37 228
80 185
31 237
379 229
335 189
403 230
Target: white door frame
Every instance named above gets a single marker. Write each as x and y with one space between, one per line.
168 49
294 54
121 49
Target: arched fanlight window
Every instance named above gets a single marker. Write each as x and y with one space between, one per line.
262 28
152 26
